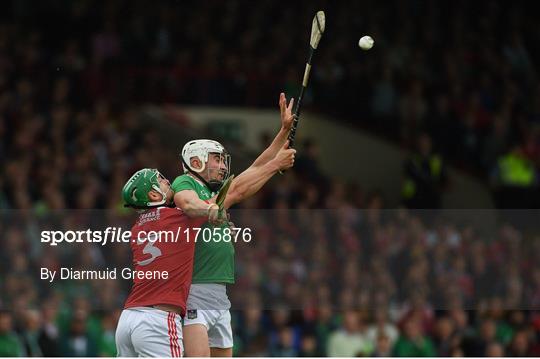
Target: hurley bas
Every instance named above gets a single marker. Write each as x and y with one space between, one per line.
125 273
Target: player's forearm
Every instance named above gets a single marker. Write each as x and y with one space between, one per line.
273 149
196 210
192 206
250 182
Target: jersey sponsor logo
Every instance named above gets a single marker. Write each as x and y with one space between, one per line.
192 313
148 216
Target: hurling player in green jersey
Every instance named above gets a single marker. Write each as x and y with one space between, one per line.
206 164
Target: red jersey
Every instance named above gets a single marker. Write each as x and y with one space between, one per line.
172 254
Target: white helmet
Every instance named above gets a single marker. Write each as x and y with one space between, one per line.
200 149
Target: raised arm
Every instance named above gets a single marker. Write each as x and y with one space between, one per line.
281 137
251 180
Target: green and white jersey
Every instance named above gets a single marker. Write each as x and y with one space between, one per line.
214 261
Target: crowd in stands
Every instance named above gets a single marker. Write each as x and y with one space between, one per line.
73 74
332 282
465 72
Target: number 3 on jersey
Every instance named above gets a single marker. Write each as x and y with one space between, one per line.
149 248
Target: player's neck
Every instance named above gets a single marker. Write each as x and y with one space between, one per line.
196 179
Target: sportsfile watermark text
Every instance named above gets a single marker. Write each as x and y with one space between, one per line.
118 235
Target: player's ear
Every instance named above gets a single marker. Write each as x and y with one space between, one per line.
195 162
154 196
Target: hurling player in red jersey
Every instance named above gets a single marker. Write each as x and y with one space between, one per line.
150 324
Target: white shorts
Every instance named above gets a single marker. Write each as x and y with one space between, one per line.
217 323
209 305
149 332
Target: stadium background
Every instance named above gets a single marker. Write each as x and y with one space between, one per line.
80 83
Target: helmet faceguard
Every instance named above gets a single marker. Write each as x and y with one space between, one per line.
202 150
135 191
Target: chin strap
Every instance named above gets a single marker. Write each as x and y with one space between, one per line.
151 205
213 186
170 205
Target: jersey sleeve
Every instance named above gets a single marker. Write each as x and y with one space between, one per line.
182 183
175 217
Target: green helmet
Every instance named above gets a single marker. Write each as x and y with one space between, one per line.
135 191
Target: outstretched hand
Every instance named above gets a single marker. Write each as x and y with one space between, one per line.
287 117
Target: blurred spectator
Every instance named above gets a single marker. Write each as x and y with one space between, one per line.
308 347
444 337
325 325
487 335
457 352
412 343
49 336
515 180
30 336
496 142
285 344
78 341
307 164
383 346
425 176
520 345
382 327
10 343
106 343
351 339
284 337
494 350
